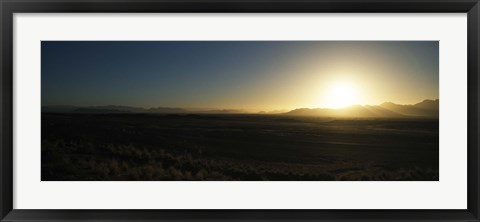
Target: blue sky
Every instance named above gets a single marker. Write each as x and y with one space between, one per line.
259 75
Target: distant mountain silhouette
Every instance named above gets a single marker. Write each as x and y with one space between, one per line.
59 109
98 110
166 110
273 112
111 109
108 109
425 109
129 109
232 111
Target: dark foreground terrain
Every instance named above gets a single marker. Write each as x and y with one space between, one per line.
236 147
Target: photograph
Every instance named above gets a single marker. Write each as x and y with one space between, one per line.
244 110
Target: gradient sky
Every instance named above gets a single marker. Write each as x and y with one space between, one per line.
250 75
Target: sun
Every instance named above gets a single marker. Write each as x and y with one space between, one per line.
341 95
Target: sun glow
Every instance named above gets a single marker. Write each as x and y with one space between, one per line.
340 95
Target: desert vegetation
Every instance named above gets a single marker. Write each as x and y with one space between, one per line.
148 147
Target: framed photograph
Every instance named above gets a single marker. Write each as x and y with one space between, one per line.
239 110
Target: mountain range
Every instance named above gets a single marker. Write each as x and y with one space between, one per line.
130 109
424 109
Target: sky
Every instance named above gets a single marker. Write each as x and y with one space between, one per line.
247 75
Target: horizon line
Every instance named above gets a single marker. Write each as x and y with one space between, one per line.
237 109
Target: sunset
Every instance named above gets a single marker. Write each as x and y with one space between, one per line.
248 75
240 110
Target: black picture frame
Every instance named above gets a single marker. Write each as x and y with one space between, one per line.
9 7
